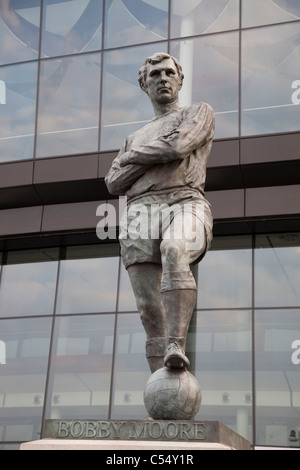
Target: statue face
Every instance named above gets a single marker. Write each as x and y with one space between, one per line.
163 82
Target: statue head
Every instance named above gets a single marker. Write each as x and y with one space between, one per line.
157 58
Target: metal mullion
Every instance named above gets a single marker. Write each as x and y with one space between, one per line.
240 76
247 28
169 26
253 345
49 380
101 81
112 376
38 85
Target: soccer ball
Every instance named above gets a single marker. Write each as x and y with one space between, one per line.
172 394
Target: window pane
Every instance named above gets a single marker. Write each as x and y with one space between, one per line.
259 12
135 21
131 370
19 31
192 17
28 284
210 66
23 377
17 111
104 250
88 285
32 256
126 296
125 107
219 347
270 72
81 367
9 446
69 106
277 376
71 26
277 270
225 274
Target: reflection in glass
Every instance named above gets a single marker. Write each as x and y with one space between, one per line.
71 26
193 17
126 297
259 12
88 285
131 370
19 30
210 66
32 256
219 345
23 377
225 275
125 108
135 21
270 66
81 364
277 270
9 446
68 116
277 377
17 111
28 288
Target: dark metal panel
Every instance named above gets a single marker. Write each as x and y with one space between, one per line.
16 174
72 191
275 200
105 161
20 196
271 174
226 204
65 169
223 153
275 225
272 148
222 178
20 221
60 217
231 227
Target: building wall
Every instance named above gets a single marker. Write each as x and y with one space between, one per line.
70 335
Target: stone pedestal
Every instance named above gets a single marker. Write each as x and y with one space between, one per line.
114 446
138 435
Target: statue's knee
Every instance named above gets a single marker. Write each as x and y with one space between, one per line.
172 251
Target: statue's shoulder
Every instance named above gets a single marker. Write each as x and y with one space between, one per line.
197 107
134 138
130 138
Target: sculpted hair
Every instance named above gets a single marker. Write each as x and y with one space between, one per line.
156 59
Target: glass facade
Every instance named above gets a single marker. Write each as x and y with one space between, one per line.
68 113
75 345
71 341
269 69
81 57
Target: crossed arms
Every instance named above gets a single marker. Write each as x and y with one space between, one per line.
193 132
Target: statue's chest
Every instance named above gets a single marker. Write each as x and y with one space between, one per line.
154 130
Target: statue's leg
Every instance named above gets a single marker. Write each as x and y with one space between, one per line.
146 284
179 295
179 290
179 305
